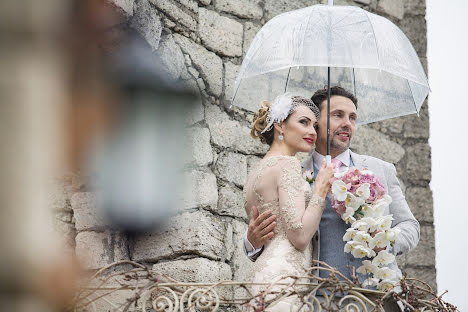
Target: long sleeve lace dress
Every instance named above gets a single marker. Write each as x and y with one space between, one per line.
277 184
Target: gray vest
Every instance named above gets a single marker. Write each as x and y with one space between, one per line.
332 229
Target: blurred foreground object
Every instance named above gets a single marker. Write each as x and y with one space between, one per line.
33 90
139 163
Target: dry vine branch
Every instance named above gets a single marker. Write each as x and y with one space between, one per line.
414 294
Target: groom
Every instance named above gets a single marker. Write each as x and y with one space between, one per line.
328 243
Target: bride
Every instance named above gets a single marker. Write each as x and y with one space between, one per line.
288 125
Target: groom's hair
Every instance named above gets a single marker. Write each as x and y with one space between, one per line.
322 94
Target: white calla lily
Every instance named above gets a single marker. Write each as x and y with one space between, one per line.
386 285
364 238
348 216
380 240
350 234
391 234
385 273
353 201
361 251
384 223
363 191
370 282
339 190
383 258
367 268
351 245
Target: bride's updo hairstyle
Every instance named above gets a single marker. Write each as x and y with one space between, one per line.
260 123
283 106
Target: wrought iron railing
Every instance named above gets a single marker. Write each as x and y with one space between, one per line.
141 289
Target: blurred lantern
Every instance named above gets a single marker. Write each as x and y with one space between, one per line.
139 165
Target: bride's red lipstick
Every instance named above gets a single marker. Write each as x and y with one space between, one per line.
309 140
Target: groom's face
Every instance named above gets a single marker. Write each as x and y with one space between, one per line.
342 125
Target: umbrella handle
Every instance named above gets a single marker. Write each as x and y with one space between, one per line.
328 158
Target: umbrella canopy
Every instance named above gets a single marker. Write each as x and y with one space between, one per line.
368 55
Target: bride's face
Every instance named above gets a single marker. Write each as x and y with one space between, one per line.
299 130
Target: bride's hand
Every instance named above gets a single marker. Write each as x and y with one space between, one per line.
322 181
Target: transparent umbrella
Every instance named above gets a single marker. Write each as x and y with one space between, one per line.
303 50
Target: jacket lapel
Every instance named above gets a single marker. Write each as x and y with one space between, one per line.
358 160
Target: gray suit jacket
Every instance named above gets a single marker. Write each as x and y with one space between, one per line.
404 219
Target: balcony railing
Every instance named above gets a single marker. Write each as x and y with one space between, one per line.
141 289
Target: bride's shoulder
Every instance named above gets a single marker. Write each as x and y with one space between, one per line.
280 162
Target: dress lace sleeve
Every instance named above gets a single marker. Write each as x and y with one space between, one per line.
300 222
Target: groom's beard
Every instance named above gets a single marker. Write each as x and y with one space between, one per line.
336 144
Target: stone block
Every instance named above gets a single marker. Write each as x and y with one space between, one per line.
367 2
275 7
425 274
240 262
415 29
241 8
200 153
420 201
85 211
252 162
394 8
202 190
232 167
190 233
391 126
196 113
172 58
66 234
125 5
148 23
415 7
418 164
121 297
176 13
231 134
205 2
366 139
231 202
220 33
192 5
96 250
196 270
207 63
62 189
250 30
424 253
230 74
417 126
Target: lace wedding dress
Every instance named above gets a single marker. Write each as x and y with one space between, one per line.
277 184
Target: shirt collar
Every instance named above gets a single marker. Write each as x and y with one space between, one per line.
344 157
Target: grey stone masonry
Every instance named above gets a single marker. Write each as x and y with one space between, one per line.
202 43
209 64
241 8
220 34
196 233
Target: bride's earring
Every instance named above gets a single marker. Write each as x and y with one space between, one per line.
281 137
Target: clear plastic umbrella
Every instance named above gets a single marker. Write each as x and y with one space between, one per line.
365 53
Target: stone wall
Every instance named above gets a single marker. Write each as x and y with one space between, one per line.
202 43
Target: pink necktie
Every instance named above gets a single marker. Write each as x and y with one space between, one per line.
337 163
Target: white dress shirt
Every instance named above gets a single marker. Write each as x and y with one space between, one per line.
344 157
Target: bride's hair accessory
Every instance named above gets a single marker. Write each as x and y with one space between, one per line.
284 105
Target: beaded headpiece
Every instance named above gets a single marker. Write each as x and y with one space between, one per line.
284 105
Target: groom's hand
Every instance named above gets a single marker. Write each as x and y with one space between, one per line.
261 227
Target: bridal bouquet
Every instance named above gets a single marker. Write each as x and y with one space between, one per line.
360 199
